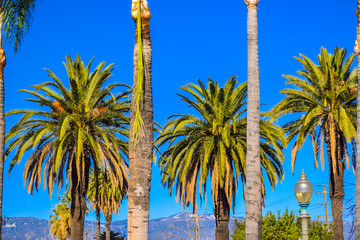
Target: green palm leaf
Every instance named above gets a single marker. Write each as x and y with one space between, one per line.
212 143
323 102
80 127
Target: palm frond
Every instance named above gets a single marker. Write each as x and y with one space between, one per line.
212 144
17 16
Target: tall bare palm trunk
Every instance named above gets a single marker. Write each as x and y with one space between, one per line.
141 153
78 200
97 212
357 181
108 219
2 118
222 213
253 170
2 128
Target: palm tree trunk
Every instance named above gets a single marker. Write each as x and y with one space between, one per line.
336 193
108 219
357 180
2 120
141 153
253 168
222 213
97 211
78 200
97 207
336 190
2 128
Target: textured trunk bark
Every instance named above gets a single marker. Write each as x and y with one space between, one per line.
108 219
2 119
141 155
253 168
97 211
357 180
222 213
2 128
78 201
97 207
337 212
336 191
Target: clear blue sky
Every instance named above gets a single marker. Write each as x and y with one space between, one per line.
191 40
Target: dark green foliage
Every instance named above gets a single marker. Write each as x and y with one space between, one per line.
284 227
317 231
323 100
211 145
108 195
77 123
60 218
113 235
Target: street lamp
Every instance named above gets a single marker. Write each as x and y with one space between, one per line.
303 192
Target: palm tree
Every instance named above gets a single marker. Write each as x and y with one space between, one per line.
214 145
141 141
15 19
76 128
253 176
96 193
325 95
357 181
108 196
60 219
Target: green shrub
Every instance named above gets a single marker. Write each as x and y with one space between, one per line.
284 227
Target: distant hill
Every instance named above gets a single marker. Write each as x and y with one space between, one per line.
25 228
170 228
173 227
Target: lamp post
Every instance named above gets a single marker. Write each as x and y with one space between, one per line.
303 192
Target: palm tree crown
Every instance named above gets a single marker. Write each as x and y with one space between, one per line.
16 20
214 143
83 120
105 196
78 127
325 95
108 195
60 219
